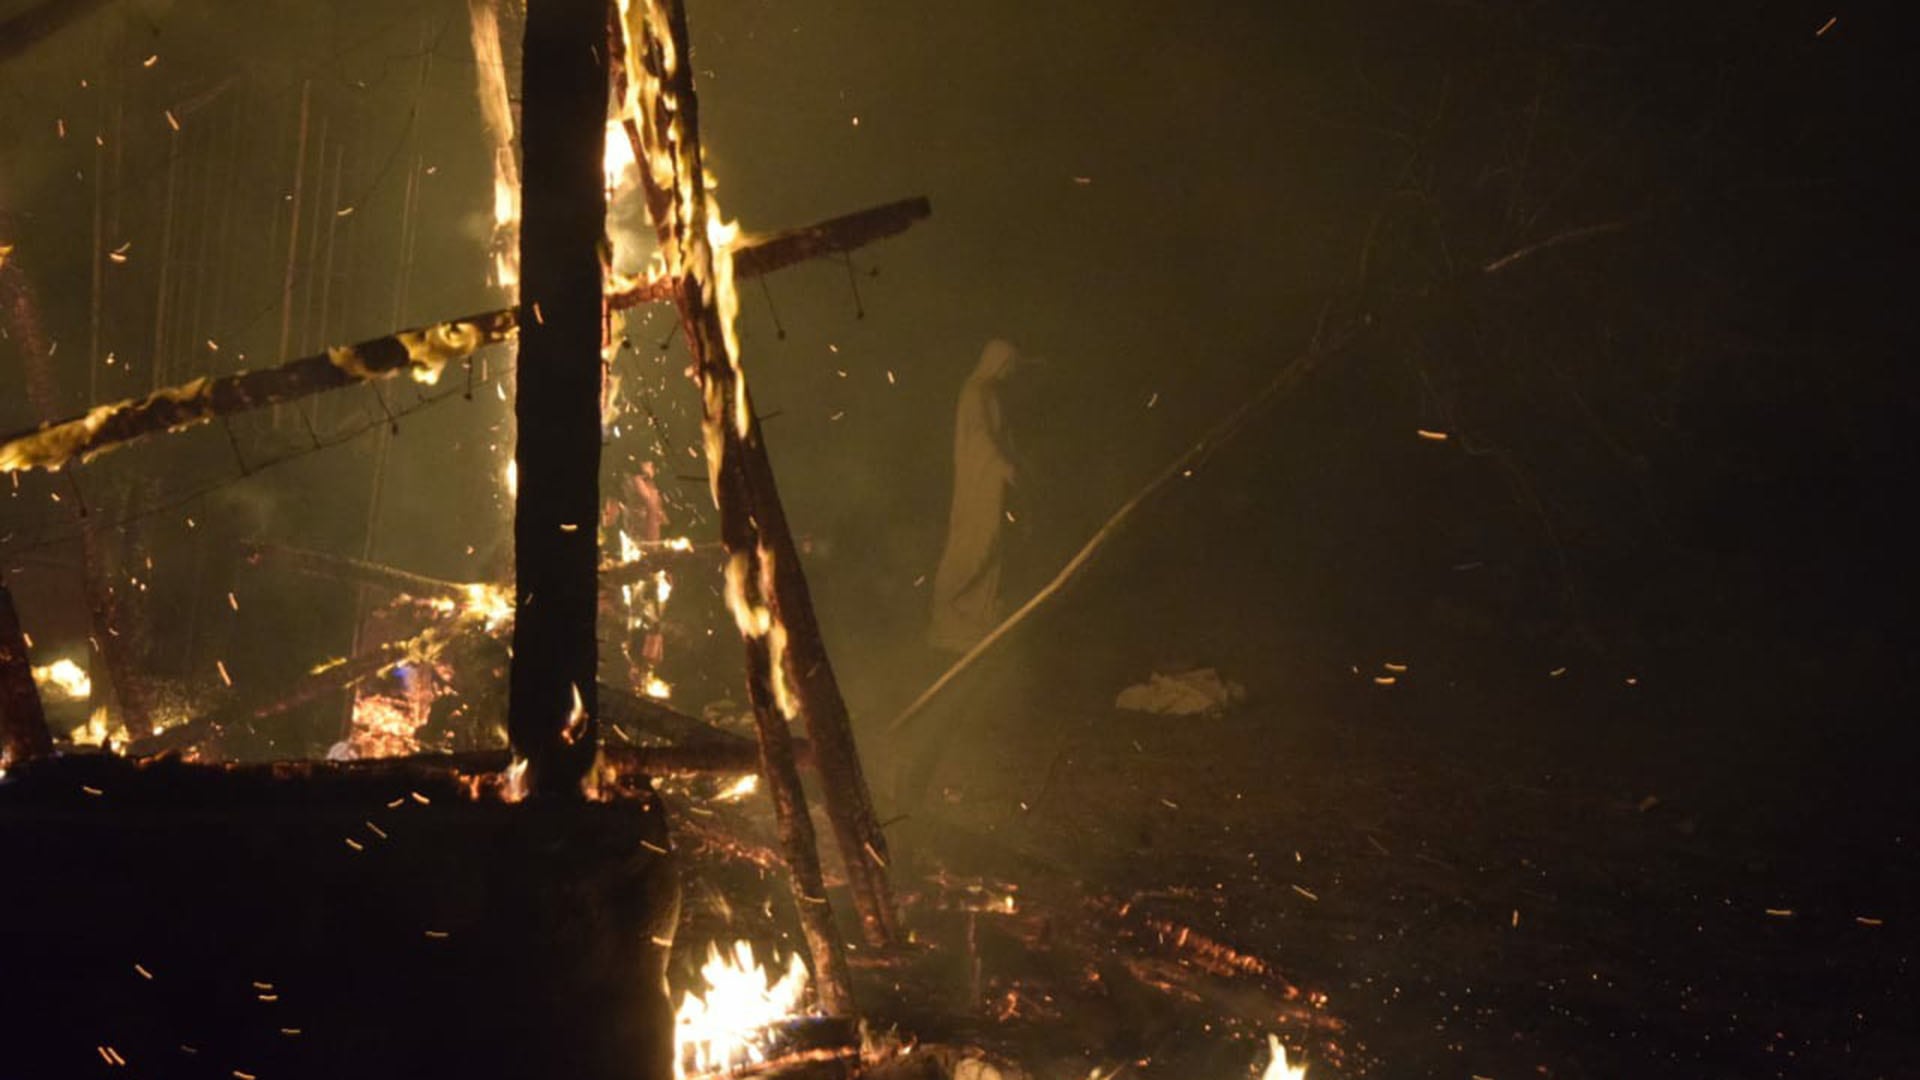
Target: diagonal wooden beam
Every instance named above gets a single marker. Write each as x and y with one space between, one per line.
767 586
422 350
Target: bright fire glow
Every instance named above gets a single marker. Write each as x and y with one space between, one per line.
63 680
618 158
740 788
657 688
1279 1067
95 731
724 1028
384 726
489 603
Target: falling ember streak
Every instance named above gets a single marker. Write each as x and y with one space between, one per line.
224 677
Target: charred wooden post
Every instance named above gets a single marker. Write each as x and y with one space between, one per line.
764 561
552 690
671 172
23 723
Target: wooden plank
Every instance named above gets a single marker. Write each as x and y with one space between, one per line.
419 349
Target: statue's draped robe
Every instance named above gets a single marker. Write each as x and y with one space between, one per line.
966 588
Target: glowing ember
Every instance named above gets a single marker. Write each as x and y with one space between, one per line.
725 1028
657 688
1279 1067
385 726
63 680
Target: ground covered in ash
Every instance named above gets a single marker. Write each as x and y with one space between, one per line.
1696 865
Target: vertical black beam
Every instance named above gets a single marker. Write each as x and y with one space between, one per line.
563 213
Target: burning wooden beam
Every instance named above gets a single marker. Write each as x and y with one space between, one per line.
423 350
661 86
23 723
552 690
765 578
759 255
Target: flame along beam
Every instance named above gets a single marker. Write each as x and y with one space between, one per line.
662 110
424 351
104 427
766 586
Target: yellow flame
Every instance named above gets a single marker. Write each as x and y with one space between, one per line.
724 1027
577 717
490 603
95 731
513 782
618 157
63 680
1279 1067
739 789
657 688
